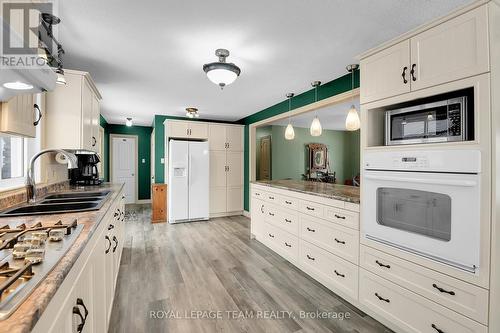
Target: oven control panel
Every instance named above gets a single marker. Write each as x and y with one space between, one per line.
410 162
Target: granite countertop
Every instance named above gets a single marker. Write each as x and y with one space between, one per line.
326 190
26 316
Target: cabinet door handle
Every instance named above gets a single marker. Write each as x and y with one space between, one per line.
271 214
117 213
262 209
339 241
309 208
79 302
37 121
94 141
110 226
452 293
310 258
109 247
271 198
405 81
382 299
288 202
412 72
76 310
311 230
339 274
437 329
288 245
288 221
382 265
271 235
257 194
340 217
116 243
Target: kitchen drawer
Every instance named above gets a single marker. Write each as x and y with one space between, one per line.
271 197
284 219
281 242
337 274
311 208
341 241
343 217
288 202
258 193
409 311
465 298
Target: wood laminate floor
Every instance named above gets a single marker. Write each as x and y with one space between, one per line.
211 277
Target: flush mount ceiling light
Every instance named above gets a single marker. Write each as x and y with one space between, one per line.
316 128
192 113
128 122
221 72
18 85
289 132
352 122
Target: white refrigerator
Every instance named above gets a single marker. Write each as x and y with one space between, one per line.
188 181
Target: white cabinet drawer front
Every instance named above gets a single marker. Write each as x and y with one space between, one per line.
341 241
465 298
343 217
280 241
337 274
258 194
311 208
288 202
271 197
409 311
284 219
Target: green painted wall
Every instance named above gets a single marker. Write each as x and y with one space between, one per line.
144 152
329 89
290 158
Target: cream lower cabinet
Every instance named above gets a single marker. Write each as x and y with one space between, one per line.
84 300
318 235
73 115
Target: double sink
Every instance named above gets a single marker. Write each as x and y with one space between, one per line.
67 202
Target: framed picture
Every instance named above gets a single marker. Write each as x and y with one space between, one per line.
318 156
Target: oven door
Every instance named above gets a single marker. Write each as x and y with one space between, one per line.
435 215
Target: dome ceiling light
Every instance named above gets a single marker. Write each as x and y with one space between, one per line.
221 72
289 131
128 122
352 122
192 113
316 128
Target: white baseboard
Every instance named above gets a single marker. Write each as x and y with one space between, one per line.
226 214
246 214
143 201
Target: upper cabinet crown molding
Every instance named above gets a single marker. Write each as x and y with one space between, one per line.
455 49
73 113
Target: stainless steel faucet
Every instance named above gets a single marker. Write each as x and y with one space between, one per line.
30 177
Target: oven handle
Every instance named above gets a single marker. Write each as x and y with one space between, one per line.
463 183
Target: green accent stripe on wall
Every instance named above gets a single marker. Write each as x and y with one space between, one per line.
329 89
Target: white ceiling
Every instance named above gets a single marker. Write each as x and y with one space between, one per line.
332 117
146 56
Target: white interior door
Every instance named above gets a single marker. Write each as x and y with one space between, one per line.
124 165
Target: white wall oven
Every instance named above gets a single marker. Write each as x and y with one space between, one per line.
426 203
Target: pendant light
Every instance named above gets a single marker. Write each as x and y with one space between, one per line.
289 132
352 122
316 128
221 72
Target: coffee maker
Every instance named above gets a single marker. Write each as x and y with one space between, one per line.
87 172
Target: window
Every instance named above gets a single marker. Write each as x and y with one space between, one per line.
12 159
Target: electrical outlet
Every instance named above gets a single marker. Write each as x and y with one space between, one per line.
143 160
162 160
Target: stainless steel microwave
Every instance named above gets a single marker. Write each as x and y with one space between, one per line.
441 121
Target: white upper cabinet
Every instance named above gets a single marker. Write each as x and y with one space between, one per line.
225 137
386 73
72 119
453 50
187 129
18 116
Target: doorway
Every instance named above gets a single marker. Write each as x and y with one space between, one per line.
124 164
265 158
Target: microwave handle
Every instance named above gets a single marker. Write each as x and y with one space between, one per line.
463 183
